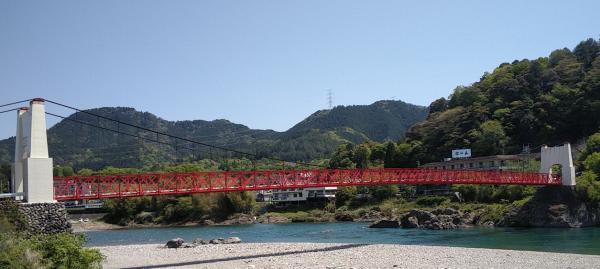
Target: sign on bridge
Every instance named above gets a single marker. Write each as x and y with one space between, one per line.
461 153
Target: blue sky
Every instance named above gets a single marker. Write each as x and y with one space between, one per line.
267 64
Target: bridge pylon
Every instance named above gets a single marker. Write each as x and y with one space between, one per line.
33 168
560 155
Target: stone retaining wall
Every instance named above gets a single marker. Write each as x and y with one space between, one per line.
45 218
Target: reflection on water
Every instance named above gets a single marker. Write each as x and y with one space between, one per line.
585 241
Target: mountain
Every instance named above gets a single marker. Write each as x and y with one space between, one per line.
548 100
380 121
316 137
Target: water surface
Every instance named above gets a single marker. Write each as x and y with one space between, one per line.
583 241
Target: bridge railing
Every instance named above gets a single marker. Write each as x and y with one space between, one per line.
152 184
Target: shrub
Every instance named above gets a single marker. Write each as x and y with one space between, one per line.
66 250
432 201
588 188
592 163
383 192
344 195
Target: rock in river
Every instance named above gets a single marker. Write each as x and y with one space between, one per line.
175 243
385 224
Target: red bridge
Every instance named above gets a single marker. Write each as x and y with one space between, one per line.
33 181
153 184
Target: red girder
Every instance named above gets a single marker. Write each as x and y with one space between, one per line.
152 184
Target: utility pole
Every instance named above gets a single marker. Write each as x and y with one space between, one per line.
330 98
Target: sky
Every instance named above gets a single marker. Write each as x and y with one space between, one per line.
267 64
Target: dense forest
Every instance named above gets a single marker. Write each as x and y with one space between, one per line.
318 136
549 100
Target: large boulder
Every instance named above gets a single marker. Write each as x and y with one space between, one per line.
438 219
343 216
217 241
232 240
410 222
200 241
385 224
175 243
553 206
369 216
144 217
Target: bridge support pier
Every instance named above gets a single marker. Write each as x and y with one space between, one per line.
560 155
33 168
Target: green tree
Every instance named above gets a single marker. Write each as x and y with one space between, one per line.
438 105
343 157
5 176
490 139
592 145
67 171
344 195
361 156
592 163
587 51
383 192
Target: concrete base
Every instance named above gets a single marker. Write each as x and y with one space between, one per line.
39 187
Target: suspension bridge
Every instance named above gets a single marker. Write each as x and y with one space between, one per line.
33 179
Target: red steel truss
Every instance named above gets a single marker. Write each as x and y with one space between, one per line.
152 184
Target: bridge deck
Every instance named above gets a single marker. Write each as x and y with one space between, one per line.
152 184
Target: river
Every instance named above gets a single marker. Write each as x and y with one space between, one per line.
582 241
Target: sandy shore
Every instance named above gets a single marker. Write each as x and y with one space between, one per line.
311 255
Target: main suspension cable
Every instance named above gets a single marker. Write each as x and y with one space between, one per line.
169 135
14 103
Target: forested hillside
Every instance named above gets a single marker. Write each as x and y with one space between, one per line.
548 100
317 137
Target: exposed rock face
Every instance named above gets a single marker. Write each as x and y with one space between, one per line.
553 206
275 219
175 243
438 219
208 222
369 216
343 216
240 219
47 218
385 224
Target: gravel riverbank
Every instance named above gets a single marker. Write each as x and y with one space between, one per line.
311 255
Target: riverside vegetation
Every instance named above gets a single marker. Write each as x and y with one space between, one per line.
19 248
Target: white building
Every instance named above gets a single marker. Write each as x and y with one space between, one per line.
296 194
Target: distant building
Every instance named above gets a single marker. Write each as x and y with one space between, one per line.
296 194
495 162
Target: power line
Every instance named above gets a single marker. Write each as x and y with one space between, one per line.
10 110
14 103
147 129
108 129
158 133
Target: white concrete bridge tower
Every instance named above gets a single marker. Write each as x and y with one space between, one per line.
33 168
560 155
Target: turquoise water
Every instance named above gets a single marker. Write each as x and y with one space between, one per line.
584 241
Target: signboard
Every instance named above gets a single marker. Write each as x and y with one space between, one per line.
461 153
